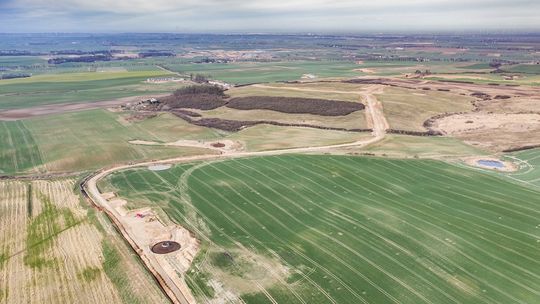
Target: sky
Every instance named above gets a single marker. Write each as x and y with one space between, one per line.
268 16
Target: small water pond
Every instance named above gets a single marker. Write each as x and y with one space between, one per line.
490 163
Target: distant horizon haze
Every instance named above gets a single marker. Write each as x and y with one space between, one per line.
267 17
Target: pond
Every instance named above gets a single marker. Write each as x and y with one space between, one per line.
490 163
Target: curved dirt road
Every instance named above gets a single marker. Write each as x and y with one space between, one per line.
175 287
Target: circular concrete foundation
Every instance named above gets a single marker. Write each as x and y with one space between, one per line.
165 247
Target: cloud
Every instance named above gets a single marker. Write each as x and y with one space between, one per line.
266 15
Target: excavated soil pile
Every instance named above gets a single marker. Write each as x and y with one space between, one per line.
165 247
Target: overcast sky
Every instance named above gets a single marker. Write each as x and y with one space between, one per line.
267 15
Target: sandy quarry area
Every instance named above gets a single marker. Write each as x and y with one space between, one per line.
492 131
223 146
143 229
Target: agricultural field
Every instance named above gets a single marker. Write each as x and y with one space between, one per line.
76 87
332 91
54 249
355 120
529 163
91 139
524 68
278 169
19 149
268 137
256 72
407 110
342 229
15 61
262 72
521 79
405 146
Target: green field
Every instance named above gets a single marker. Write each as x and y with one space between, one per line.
90 140
336 229
529 162
524 68
407 110
403 146
15 61
18 149
256 72
288 90
241 73
524 79
270 137
75 87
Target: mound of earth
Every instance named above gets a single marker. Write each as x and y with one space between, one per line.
323 107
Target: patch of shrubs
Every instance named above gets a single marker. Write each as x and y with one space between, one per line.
202 97
237 125
188 113
521 148
481 95
295 105
415 133
15 75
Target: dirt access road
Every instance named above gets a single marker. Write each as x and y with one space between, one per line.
174 285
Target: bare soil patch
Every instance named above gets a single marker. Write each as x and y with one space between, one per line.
143 229
492 131
159 167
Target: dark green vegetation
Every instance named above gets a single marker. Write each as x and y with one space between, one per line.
19 151
112 265
42 231
296 105
198 280
203 97
89 274
357 230
3 259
